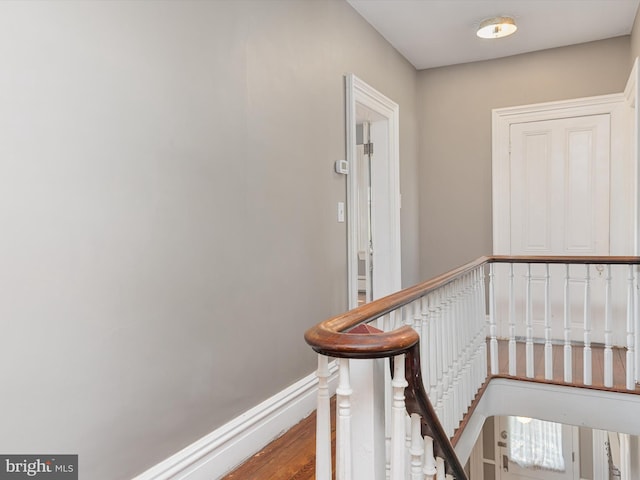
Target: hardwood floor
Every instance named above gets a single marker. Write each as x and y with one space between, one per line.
292 456
597 353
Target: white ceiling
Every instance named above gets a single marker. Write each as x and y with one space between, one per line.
433 33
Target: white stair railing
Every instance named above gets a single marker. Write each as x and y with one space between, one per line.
433 338
585 302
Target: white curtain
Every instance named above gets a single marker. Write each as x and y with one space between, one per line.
536 444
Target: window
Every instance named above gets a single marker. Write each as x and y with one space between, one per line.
536 444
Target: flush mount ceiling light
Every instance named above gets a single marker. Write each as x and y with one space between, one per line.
497 27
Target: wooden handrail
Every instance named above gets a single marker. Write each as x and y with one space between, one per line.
577 260
330 337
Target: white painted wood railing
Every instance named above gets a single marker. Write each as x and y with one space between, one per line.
584 302
425 355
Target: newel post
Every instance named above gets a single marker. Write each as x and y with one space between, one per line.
323 421
367 421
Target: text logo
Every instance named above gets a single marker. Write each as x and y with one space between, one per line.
49 467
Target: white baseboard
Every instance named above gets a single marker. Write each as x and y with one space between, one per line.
219 452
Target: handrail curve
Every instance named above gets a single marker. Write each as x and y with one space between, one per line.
332 337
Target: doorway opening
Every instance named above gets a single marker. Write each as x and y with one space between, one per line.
373 193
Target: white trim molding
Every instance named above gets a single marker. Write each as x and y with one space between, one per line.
220 451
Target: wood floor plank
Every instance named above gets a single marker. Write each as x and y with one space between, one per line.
577 365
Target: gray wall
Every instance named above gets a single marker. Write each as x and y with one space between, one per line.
455 106
168 205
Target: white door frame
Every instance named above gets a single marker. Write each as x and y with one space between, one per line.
387 277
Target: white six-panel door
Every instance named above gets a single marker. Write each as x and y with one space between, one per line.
559 186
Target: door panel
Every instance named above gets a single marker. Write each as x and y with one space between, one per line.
560 187
532 191
559 205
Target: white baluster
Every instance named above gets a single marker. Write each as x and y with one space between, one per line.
470 348
548 347
417 448
467 336
323 422
451 354
343 424
482 321
454 319
608 335
446 349
408 432
568 374
529 321
433 346
456 325
478 364
463 329
630 366
386 323
493 341
424 343
440 473
417 317
429 469
395 318
439 352
398 414
410 315
587 363
512 323
387 452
